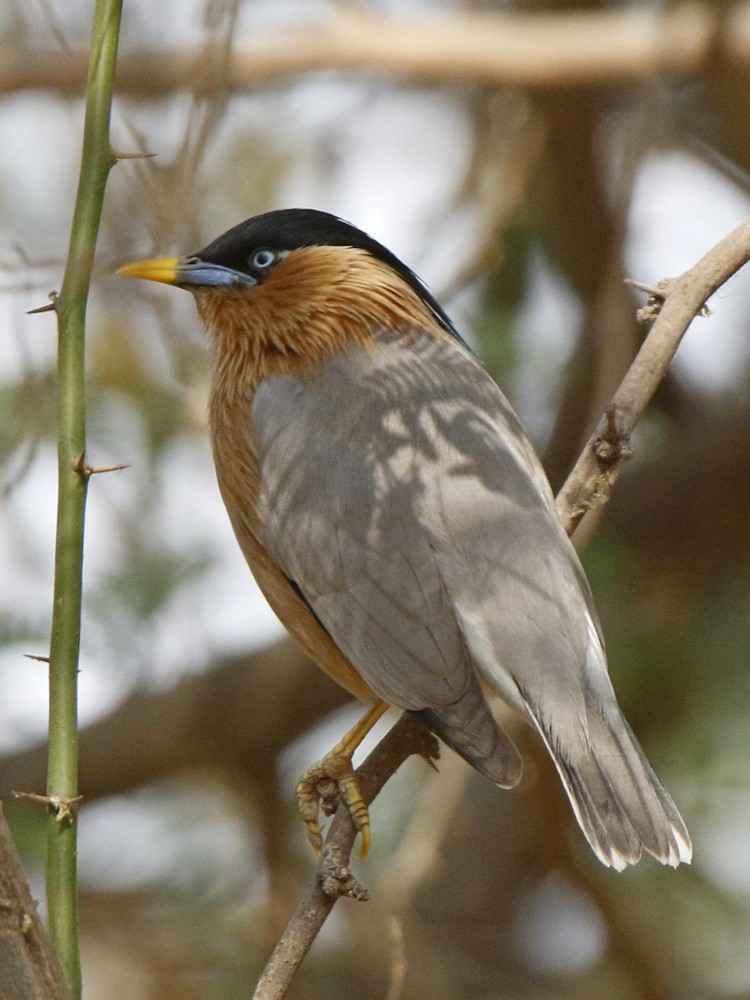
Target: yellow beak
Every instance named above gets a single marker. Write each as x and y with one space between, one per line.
164 269
188 272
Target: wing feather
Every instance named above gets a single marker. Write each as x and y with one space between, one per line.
399 492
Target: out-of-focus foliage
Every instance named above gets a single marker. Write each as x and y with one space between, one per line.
523 200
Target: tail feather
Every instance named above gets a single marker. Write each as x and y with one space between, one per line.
619 803
469 728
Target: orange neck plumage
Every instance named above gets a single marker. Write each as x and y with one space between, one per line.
317 302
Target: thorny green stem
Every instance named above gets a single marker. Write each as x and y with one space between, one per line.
62 778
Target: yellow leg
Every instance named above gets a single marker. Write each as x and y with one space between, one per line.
333 779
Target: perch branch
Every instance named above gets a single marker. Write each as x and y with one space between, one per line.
333 878
682 299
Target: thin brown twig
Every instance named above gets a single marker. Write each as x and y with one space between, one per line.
30 970
589 484
333 878
595 473
398 961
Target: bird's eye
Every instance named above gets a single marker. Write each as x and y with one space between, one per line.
261 260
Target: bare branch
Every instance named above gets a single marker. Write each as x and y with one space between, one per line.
30 970
595 473
552 49
333 877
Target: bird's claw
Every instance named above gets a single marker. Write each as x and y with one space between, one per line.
333 780
322 788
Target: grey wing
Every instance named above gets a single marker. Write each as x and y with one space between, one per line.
401 495
350 458
352 544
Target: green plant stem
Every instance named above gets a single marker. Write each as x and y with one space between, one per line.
62 779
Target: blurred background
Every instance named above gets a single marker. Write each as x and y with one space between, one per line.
525 158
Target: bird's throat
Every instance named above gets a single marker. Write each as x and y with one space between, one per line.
314 305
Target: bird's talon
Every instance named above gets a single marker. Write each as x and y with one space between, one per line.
332 780
322 788
364 849
315 836
308 803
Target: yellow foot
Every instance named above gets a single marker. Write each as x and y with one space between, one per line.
332 780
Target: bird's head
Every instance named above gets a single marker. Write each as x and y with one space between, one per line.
297 285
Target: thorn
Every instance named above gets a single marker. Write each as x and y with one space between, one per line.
132 156
63 808
659 291
95 470
39 659
31 796
657 296
80 468
84 470
50 307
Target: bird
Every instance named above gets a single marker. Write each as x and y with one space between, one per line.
398 520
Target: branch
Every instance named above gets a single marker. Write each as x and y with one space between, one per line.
29 970
551 49
596 471
333 877
70 306
589 484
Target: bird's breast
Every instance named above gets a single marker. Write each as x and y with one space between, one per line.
263 436
237 469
